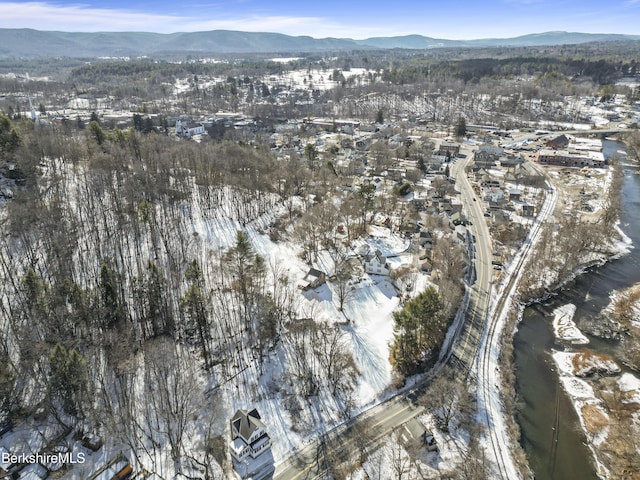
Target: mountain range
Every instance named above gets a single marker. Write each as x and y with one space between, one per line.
37 43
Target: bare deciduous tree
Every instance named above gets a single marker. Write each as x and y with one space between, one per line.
448 399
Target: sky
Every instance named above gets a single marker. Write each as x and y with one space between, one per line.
358 19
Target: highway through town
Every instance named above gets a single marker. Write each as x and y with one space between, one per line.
468 338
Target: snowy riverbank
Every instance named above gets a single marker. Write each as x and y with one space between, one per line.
599 395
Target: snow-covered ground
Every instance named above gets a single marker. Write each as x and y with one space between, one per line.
204 226
591 411
629 385
628 300
367 323
564 326
394 457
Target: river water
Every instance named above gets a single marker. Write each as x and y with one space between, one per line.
551 434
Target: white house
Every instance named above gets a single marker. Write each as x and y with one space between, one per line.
189 130
376 264
250 446
248 435
493 194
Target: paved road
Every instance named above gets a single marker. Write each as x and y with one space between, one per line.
471 328
344 442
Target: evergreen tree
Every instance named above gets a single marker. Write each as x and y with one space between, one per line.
111 304
194 311
68 378
248 270
419 330
366 195
96 132
311 152
151 297
36 296
461 127
7 382
9 137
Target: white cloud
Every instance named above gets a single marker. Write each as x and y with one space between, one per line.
82 18
44 16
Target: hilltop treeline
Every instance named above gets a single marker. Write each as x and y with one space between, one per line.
472 70
106 71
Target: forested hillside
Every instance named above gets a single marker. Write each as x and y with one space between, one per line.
139 278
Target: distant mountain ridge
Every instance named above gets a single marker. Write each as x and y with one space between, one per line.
37 43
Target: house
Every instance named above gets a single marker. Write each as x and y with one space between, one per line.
557 143
313 279
487 156
249 436
456 205
91 441
528 210
408 226
493 195
376 264
419 203
511 161
188 130
363 144
425 237
514 194
426 266
452 148
250 446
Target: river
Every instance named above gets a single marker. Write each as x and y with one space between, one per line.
551 434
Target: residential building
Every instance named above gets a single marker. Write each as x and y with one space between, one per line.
248 435
189 129
250 446
313 279
452 148
376 264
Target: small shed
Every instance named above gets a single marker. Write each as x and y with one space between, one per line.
313 279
